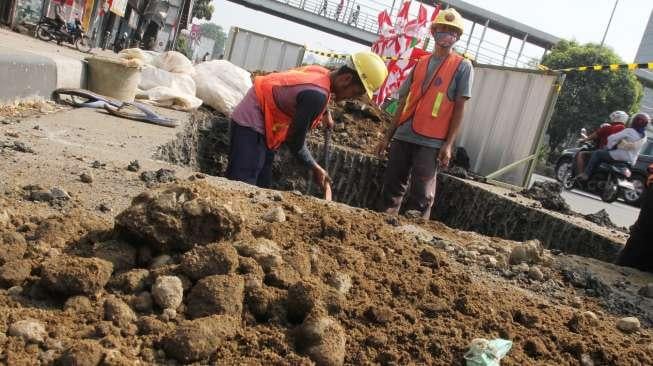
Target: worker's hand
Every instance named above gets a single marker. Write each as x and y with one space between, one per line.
444 157
321 176
382 147
328 120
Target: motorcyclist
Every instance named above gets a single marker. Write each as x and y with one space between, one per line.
617 123
622 146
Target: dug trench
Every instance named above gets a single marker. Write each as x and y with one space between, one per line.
464 204
203 270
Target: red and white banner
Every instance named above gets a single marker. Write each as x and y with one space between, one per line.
400 41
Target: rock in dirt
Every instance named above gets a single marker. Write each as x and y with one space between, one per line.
75 275
82 353
276 214
282 276
118 312
168 292
78 305
646 291
12 247
86 177
196 340
14 273
122 255
30 330
177 218
583 323
168 315
628 324
341 282
134 166
15 291
59 194
535 273
132 281
528 252
159 176
219 294
213 259
18 146
323 340
549 195
266 252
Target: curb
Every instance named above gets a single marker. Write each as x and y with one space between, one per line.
27 75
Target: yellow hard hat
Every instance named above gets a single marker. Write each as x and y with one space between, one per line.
371 69
451 18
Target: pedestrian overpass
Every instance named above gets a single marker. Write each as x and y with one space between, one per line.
362 28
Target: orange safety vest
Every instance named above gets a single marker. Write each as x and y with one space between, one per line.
277 122
431 110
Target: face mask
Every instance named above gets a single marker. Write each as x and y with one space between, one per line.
446 39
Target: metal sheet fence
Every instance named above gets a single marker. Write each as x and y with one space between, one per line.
506 118
254 51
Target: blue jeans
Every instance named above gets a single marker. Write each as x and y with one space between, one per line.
250 160
598 157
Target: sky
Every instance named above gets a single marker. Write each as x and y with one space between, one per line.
581 20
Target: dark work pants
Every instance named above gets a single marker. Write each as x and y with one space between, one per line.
408 161
638 252
250 160
598 157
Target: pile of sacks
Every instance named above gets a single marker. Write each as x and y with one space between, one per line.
169 79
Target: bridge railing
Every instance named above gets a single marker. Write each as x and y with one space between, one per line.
366 19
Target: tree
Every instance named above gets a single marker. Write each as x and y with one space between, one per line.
588 97
215 32
203 9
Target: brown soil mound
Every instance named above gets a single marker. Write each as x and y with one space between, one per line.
330 285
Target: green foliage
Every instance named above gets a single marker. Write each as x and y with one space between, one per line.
215 32
587 98
203 9
183 46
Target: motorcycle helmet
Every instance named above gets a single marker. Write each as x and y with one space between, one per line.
640 121
619 116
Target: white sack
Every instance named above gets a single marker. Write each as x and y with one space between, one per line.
163 88
221 84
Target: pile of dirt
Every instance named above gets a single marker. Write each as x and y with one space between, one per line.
549 195
602 218
195 273
358 125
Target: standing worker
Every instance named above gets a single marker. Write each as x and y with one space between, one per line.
282 107
426 124
638 252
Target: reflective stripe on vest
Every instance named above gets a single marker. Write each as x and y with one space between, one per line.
431 109
277 122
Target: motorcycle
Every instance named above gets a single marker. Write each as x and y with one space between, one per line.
48 29
609 181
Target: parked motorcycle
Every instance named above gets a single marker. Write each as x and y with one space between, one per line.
49 29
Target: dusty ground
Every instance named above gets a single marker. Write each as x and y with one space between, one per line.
330 284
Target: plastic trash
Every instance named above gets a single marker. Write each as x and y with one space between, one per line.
487 353
221 84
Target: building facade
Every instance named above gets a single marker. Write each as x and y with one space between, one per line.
645 54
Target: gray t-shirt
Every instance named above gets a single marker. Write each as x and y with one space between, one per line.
461 86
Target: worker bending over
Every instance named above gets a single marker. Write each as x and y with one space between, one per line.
282 107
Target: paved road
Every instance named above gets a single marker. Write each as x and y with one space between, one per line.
586 203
